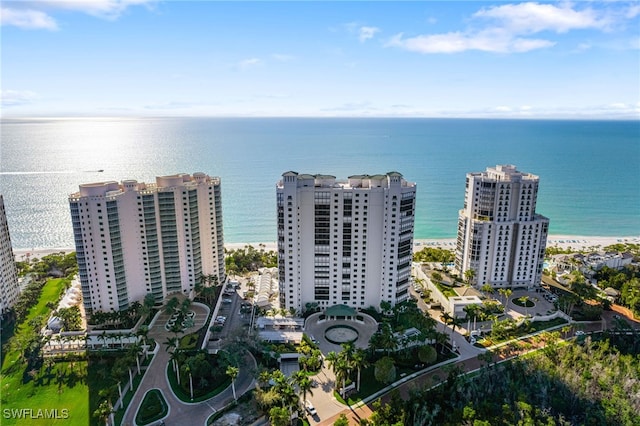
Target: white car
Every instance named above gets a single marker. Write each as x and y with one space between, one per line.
580 333
310 408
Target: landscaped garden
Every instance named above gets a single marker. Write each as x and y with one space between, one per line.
153 408
506 330
31 382
196 375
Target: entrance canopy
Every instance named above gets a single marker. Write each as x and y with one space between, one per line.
340 311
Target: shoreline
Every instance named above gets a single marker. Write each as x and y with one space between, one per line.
577 242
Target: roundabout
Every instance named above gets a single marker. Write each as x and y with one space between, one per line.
338 334
333 328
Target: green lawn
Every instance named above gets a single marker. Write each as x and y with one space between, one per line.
51 292
61 386
448 292
153 408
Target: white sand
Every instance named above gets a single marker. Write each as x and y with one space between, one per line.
562 241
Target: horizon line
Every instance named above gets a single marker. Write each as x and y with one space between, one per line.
425 117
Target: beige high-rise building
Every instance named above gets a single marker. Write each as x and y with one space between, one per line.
344 241
501 238
9 287
134 238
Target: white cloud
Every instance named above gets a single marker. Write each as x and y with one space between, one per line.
37 14
365 33
108 9
509 28
249 63
488 41
9 98
632 12
27 19
529 18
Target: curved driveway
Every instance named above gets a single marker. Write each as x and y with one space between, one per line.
182 413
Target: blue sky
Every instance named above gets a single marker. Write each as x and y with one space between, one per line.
433 59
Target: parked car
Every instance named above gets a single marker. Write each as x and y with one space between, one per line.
310 408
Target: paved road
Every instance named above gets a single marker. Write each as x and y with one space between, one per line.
181 413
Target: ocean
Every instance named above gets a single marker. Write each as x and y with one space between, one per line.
589 170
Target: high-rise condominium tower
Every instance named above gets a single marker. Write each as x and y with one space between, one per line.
500 236
135 238
344 242
9 288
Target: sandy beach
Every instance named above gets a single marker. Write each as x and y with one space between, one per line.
562 241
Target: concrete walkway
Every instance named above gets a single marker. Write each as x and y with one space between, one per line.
182 413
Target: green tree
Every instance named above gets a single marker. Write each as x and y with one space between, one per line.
232 372
279 416
427 354
172 305
385 370
304 384
487 288
469 275
341 421
359 361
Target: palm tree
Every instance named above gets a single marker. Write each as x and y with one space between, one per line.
507 292
441 339
487 288
103 411
342 368
143 332
278 416
264 377
384 340
446 319
172 343
472 312
455 322
359 361
171 305
469 275
186 367
289 398
108 393
304 384
331 359
233 373
524 300
134 351
176 329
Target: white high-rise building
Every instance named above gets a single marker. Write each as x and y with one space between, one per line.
9 287
135 238
500 236
344 242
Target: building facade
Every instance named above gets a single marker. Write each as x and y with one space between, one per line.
9 287
134 238
500 236
344 242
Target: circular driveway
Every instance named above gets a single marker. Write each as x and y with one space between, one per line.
316 328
